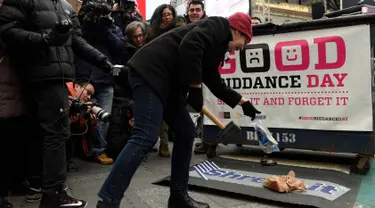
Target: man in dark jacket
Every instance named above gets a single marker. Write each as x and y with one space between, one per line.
178 62
41 41
195 11
13 126
102 34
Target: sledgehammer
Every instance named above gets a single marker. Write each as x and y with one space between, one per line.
227 131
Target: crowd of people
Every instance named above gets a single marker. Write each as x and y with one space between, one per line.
61 94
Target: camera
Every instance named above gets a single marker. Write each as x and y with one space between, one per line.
124 14
127 6
81 108
96 11
77 108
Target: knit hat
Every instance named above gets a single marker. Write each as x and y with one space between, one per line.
242 22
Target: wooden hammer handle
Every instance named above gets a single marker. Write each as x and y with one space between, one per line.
212 117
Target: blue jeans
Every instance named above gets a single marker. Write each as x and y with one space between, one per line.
104 98
148 116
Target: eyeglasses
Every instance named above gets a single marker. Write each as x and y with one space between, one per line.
166 15
138 36
195 9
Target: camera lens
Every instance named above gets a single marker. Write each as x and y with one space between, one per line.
101 114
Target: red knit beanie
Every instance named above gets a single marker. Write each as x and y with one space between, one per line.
242 22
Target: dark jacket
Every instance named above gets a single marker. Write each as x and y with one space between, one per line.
11 97
187 55
123 88
109 41
33 19
154 32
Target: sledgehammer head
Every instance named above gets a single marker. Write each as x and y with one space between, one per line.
231 130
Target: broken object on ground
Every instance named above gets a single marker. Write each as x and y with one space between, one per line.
284 183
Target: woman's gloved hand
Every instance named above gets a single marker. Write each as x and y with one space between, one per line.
195 99
249 110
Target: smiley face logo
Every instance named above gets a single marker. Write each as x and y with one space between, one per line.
292 55
255 58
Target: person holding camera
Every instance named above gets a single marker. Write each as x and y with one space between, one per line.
125 12
99 31
42 41
83 125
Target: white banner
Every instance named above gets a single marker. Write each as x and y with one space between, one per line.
317 79
225 8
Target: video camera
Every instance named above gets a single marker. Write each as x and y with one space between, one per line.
124 14
126 6
81 108
96 11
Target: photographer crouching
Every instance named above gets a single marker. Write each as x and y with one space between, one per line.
81 125
83 118
99 31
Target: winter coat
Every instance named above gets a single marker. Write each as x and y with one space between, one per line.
154 32
109 41
187 55
33 19
11 97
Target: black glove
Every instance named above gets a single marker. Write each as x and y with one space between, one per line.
59 35
249 110
195 99
105 22
106 66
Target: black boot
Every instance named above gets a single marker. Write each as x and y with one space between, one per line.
5 203
199 149
181 199
102 204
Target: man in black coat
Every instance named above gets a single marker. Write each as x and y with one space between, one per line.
41 41
161 75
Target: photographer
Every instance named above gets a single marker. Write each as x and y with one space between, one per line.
82 126
99 31
125 12
41 42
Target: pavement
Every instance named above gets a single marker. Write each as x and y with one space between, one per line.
86 182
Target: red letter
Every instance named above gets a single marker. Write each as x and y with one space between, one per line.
322 52
310 83
340 78
229 66
327 81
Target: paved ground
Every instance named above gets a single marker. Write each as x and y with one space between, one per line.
142 194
